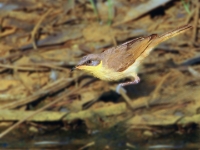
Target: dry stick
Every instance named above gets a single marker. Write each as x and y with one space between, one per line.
155 92
122 92
47 89
158 87
125 96
53 67
87 145
37 111
32 67
17 76
113 38
196 18
189 16
39 78
34 32
11 31
22 67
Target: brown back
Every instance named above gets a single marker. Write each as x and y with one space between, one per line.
121 57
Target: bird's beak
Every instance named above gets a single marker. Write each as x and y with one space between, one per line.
79 67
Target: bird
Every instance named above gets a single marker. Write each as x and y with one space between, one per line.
123 61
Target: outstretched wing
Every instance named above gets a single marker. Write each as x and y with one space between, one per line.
121 57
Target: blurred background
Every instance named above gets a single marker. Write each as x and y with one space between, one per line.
45 105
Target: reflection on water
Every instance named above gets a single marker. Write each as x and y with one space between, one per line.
114 138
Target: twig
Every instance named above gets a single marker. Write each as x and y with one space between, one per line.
55 86
95 9
34 32
22 67
113 37
17 76
11 31
122 91
125 96
37 111
33 67
41 109
51 66
158 87
87 145
196 19
189 16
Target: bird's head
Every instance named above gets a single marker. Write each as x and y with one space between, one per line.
90 63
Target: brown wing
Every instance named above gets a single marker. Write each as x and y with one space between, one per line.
121 57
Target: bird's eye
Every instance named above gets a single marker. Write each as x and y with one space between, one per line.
92 62
88 62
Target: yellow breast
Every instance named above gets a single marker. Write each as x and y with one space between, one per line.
102 72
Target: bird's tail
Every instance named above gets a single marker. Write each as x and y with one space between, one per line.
168 35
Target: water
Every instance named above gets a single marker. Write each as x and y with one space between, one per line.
115 138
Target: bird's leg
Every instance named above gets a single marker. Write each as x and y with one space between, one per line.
122 91
136 81
120 86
